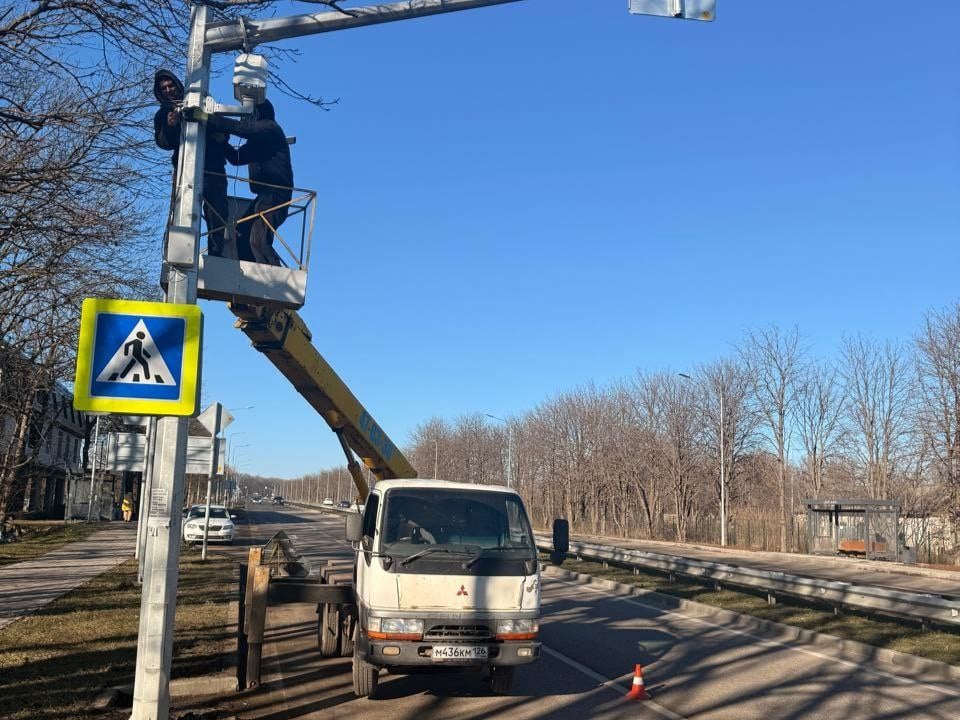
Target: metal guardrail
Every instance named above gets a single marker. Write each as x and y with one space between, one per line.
925 608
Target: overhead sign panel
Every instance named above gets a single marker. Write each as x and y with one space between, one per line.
138 358
687 9
128 451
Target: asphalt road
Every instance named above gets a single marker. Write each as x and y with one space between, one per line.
694 667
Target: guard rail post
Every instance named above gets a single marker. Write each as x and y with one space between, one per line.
253 562
258 618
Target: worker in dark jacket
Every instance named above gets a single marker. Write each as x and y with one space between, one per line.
166 130
271 179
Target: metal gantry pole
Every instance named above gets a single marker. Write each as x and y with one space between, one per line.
214 461
93 467
151 693
150 446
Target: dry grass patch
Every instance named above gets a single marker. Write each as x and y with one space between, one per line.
54 663
903 636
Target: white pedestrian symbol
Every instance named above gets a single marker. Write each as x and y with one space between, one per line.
137 360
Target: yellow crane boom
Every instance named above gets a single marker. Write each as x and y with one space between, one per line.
286 341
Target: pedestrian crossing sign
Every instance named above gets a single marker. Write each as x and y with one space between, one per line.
138 358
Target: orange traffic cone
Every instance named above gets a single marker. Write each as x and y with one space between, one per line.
638 691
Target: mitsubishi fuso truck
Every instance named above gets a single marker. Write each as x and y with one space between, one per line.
445 575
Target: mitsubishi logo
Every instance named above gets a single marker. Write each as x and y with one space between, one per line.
462 591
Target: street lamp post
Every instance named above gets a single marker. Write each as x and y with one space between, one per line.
723 484
509 447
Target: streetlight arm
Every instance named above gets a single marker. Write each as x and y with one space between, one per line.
241 34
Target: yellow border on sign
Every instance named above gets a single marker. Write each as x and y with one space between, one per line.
189 374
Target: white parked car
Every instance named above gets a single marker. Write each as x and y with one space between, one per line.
222 527
328 502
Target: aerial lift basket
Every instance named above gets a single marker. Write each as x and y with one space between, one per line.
239 281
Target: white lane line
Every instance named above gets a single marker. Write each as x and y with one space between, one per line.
764 641
612 685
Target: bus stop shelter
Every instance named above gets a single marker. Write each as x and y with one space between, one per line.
854 527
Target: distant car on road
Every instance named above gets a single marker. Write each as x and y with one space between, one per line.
345 504
328 502
277 500
222 528
257 499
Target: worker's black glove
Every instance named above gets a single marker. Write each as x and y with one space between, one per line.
193 114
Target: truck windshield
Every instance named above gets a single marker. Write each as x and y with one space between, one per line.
461 521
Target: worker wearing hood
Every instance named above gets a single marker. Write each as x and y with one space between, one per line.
267 154
168 90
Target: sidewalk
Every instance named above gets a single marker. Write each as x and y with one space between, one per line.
27 586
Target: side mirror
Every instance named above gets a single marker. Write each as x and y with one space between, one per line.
353 528
561 541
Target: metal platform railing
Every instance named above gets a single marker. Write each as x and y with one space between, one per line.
301 209
284 283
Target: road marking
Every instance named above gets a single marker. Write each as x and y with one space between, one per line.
765 641
612 685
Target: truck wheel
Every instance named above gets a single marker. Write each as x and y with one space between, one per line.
365 676
501 679
329 630
346 634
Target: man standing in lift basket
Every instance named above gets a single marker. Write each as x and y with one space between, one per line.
271 179
166 131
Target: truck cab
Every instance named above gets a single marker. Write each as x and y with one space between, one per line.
446 575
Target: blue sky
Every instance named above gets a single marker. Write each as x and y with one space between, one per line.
519 200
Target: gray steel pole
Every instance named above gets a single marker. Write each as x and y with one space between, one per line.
147 490
723 484
214 457
137 552
151 693
509 455
93 467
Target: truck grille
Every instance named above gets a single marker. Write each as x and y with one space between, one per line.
439 633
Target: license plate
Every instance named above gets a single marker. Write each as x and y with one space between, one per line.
442 653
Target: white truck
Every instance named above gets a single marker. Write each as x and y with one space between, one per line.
445 575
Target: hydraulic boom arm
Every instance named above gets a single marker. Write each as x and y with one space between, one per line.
284 338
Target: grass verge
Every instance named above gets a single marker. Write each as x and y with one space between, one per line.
54 663
893 634
41 539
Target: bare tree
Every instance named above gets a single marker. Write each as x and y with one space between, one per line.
820 408
733 381
938 373
878 386
775 358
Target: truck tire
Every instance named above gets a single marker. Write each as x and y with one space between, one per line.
501 679
365 676
346 634
329 630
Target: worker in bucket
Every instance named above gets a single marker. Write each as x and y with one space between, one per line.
271 179
166 131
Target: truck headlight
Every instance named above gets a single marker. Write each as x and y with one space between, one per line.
394 628
518 629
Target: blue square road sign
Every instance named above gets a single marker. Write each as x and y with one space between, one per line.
138 358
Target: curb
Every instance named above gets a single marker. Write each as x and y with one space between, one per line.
850 650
